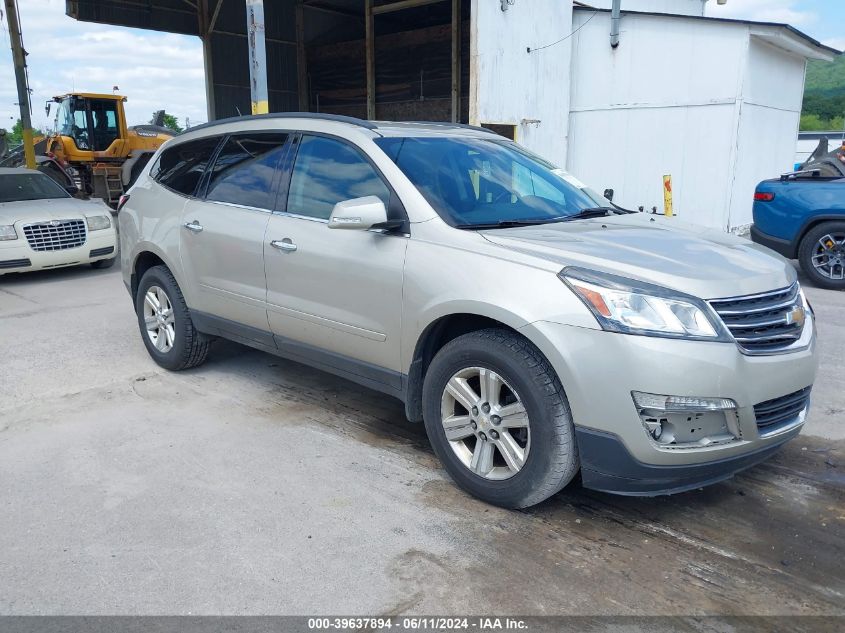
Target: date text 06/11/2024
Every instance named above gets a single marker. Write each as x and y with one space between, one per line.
430 623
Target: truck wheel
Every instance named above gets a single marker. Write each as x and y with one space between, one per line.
822 255
165 321
498 419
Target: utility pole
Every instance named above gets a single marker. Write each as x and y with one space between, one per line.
257 56
19 58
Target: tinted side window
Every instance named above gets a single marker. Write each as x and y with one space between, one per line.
327 172
245 170
181 167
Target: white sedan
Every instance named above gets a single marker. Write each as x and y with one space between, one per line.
43 226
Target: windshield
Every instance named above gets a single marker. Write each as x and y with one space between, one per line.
72 121
34 186
479 181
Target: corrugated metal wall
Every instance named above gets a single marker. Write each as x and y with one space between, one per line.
229 67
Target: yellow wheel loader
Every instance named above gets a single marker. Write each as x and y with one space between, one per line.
91 149
92 142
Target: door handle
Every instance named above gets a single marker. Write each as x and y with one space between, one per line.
284 245
193 226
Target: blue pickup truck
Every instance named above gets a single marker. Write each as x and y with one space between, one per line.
801 215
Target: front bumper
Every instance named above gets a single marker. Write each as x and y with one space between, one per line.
599 370
607 466
16 256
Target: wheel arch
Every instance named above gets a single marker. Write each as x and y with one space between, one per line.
146 256
437 333
812 223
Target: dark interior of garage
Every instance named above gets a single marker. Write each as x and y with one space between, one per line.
318 53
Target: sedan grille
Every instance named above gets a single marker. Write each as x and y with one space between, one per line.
779 411
764 323
56 235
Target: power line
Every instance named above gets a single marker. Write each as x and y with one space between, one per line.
563 39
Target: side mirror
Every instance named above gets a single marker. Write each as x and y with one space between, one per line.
47 107
72 189
358 214
608 193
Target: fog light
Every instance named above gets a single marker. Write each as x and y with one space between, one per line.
687 421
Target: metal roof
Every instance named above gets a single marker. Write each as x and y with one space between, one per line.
577 6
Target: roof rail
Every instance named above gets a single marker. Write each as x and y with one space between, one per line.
466 126
339 118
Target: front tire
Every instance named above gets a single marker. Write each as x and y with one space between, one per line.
498 419
822 255
165 322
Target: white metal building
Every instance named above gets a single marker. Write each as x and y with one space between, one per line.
714 103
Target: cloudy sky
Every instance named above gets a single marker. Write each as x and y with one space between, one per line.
159 70
821 19
153 70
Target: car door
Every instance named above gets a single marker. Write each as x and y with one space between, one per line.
335 296
223 229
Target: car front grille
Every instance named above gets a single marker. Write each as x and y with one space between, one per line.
763 323
56 235
775 413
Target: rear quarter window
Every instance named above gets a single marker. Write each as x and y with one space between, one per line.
181 167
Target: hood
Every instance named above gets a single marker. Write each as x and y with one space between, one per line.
50 209
702 262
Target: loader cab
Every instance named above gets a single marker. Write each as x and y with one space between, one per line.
94 125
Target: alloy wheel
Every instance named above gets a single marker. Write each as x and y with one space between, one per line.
159 319
829 256
485 423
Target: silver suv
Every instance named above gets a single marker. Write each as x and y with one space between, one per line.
535 328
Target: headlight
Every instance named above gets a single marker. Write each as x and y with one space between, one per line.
8 232
633 307
98 222
805 301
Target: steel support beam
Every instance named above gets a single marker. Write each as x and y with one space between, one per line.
257 56
369 34
214 15
456 61
301 59
19 60
402 4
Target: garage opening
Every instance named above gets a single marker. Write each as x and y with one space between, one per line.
418 56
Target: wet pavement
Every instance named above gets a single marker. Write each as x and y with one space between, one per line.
253 485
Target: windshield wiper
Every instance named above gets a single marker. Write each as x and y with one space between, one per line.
503 224
592 212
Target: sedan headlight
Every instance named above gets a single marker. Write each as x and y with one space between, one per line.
8 232
98 222
634 307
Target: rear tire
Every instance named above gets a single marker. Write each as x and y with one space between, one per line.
823 265
532 459
165 322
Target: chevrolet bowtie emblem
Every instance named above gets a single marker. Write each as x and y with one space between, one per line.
796 316
54 223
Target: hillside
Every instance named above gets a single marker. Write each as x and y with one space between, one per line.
824 96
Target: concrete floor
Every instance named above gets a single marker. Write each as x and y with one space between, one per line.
252 485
